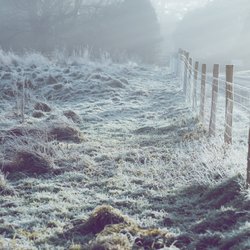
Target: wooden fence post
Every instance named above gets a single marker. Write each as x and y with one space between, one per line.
194 94
174 64
185 72
212 123
189 86
23 100
203 92
181 67
179 58
229 104
248 161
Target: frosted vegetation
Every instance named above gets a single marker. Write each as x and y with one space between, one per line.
105 155
111 25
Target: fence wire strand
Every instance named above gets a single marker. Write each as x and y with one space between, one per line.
222 90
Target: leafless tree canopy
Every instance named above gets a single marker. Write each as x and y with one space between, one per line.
107 25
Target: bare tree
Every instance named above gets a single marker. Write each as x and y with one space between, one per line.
113 25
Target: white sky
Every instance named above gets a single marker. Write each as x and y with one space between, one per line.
178 8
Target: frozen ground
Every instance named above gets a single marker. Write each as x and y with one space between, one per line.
77 134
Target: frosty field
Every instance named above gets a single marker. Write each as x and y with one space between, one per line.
78 136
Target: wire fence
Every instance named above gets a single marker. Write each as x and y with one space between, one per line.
222 102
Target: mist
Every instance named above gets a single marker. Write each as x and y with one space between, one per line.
213 31
119 27
111 138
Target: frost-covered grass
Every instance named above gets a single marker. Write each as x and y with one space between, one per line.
112 134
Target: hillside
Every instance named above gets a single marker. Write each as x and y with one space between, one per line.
79 136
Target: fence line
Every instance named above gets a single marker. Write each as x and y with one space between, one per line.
200 88
212 123
248 161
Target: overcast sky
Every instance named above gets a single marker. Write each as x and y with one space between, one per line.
178 8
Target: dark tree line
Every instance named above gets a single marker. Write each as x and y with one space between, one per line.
116 26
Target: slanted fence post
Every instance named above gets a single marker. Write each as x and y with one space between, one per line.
179 62
194 94
229 104
174 64
171 63
23 100
248 161
203 92
182 68
215 88
185 72
190 85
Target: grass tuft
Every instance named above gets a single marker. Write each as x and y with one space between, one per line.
99 219
30 162
223 193
65 132
112 230
70 114
112 242
41 106
5 188
208 242
37 114
220 221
